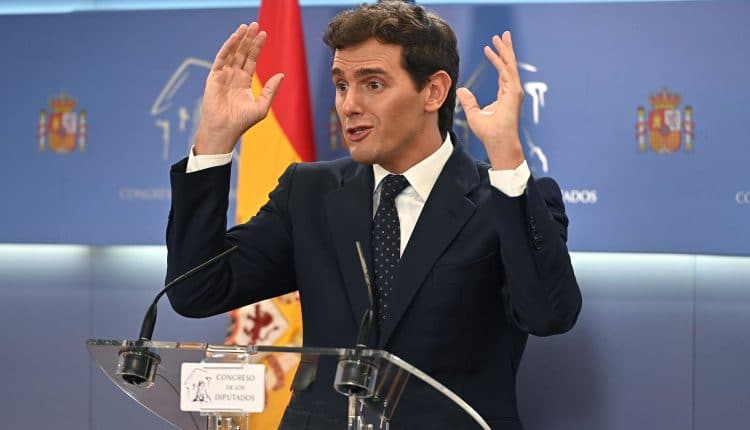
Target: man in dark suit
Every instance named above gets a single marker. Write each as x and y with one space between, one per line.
468 258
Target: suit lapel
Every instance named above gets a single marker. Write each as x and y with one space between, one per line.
444 214
349 214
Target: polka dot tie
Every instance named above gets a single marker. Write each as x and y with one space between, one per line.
386 241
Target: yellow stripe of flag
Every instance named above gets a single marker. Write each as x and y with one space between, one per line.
265 152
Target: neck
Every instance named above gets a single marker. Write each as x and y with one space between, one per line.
425 144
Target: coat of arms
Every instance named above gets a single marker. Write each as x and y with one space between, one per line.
63 129
667 128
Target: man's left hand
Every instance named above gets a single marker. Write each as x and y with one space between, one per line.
496 125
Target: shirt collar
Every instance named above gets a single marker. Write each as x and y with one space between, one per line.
423 175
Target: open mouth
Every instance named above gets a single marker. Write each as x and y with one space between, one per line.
357 133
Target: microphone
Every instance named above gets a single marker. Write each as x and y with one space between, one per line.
149 320
363 339
354 375
137 365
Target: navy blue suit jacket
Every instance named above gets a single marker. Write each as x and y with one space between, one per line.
481 271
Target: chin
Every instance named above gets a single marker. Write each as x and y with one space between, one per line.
360 156
363 160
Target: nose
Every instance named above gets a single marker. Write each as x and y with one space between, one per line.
350 103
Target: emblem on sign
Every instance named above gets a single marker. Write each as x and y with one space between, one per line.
667 128
63 129
222 387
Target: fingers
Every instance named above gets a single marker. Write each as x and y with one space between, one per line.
242 47
253 52
504 45
269 92
503 58
227 49
240 54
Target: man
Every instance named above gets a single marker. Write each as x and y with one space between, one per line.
467 258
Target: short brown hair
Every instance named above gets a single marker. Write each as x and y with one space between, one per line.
428 43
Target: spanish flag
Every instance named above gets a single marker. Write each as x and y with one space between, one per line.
285 136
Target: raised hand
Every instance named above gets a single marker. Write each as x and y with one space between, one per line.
229 107
496 125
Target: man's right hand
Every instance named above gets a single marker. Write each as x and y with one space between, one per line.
229 107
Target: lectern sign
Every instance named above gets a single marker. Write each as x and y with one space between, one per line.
210 387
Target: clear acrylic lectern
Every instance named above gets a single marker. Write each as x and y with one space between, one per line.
374 381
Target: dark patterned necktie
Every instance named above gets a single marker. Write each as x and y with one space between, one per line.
386 241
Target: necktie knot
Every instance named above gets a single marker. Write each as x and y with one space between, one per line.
392 186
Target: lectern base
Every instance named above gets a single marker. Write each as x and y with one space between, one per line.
228 422
356 419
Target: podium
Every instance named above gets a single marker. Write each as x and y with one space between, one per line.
378 386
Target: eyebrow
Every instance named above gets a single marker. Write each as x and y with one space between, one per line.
359 73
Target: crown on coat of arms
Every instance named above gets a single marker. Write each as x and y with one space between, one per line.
62 103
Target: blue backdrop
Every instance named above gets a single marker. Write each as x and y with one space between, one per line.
587 68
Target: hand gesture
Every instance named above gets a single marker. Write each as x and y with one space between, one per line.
229 107
496 125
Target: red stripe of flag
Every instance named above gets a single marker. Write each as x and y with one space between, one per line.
284 52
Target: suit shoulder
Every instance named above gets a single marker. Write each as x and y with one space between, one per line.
548 182
340 166
325 172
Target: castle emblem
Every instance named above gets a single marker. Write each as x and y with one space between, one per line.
667 128
63 129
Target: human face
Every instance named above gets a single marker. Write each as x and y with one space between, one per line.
384 118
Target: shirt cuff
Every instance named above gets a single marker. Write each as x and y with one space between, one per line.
200 162
511 182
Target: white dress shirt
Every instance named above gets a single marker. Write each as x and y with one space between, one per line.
421 176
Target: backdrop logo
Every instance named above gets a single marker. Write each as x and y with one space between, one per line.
666 129
63 129
176 109
742 197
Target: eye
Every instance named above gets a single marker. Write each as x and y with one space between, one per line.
341 87
375 85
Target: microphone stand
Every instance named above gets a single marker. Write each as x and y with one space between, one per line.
355 375
137 364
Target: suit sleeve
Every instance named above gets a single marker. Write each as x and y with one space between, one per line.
263 265
542 294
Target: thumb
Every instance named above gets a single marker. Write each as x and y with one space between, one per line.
269 91
467 99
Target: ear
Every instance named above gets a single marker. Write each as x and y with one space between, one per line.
436 90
